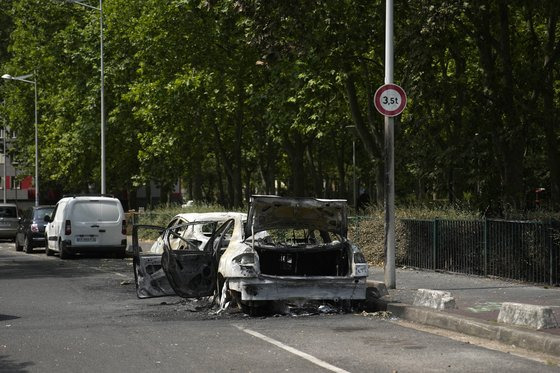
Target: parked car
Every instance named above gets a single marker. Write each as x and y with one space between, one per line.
9 220
31 229
86 224
289 249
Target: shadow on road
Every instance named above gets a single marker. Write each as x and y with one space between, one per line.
7 365
15 266
7 317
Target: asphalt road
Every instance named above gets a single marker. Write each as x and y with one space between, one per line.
82 315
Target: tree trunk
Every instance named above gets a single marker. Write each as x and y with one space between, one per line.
341 168
370 139
315 172
132 201
238 142
296 152
220 183
248 189
499 84
513 144
549 114
379 182
149 194
197 179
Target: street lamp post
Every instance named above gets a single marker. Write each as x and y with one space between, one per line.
100 10
24 78
4 165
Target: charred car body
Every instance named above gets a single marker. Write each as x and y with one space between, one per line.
187 241
304 254
288 249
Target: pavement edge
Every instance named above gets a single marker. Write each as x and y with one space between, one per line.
528 339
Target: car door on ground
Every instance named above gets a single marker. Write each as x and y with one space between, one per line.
149 277
185 268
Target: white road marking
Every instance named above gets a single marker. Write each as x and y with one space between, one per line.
294 351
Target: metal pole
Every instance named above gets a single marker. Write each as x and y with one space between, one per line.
4 166
36 144
485 236
102 67
103 190
23 78
390 278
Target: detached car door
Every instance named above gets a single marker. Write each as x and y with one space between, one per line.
149 276
187 267
193 273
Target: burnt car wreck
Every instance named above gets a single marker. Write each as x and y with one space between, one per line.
283 250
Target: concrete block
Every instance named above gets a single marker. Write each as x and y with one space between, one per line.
528 315
437 299
524 338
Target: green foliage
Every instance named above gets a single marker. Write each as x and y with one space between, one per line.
162 215
252 96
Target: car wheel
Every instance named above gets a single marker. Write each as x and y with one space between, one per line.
17 245
27 246
121 253
251 308
62 251
223 295
219 285
48 251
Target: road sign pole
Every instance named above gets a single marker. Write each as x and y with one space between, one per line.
389 274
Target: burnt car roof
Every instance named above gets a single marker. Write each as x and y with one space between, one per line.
269 212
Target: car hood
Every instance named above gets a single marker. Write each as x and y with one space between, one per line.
270 212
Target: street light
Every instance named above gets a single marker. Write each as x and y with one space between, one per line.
24 78
100 10
4 163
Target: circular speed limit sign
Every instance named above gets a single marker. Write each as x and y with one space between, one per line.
390 100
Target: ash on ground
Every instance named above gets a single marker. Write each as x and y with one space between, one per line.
208 307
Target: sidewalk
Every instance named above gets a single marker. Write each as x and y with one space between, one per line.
478 301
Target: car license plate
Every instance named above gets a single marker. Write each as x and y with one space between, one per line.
86 239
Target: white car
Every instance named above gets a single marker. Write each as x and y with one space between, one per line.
208 222
289 249
85 224
304 255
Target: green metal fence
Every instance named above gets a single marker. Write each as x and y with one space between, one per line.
520 250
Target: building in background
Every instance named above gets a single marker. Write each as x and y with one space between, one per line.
15 186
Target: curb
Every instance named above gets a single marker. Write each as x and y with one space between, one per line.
535 341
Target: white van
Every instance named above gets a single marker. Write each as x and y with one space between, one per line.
85 224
